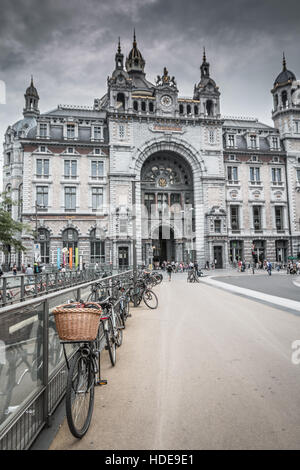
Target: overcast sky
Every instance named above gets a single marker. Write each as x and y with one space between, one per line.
69 47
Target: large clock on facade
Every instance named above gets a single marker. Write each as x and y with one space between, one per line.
166 100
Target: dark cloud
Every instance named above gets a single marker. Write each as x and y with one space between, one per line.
69 47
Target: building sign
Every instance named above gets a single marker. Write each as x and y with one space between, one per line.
164 127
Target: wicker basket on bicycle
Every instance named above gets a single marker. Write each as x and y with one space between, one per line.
77 321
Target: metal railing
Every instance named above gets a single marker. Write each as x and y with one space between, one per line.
20 287
32 366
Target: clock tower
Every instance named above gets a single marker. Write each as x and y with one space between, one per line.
166 94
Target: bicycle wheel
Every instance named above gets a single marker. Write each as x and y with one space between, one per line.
110 342
80 394
150 299
119 325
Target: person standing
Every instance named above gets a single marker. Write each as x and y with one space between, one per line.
269 267
14 269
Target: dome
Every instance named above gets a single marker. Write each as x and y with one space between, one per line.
284 76
135 61
23 126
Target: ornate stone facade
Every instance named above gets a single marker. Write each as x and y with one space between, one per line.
211 188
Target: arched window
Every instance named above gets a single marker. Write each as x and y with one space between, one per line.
8 191
181 108
151 107
97 248
196 110
44 241
209 108
284 99
70 240
276 101
135 106
121 100
143 106
188 109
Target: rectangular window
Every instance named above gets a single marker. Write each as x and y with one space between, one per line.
298 176
230 140
70 198
276 175
253 141
70 131
297 127
217 224
97 169
232 173
121 131
97 198
211 137
42 196
149 201
70 169
42 168
43 130
234 217
275 143
97 133
257 217
123 225
254 173
278 218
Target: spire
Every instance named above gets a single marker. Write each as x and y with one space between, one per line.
119 57
205 66
283 62
135 61
31 100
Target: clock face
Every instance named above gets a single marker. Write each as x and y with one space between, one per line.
162 182
166 100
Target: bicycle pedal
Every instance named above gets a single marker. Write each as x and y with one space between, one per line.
129 315
102 382
121 327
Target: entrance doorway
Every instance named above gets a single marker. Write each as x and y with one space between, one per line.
123 256
218 257
164 245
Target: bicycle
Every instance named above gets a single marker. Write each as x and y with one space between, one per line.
83 375
142 292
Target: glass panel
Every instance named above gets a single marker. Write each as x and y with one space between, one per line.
21 357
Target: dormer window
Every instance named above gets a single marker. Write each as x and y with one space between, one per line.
43 130
275 143
230 140
253 141
43 149
97 132
70 150
70 131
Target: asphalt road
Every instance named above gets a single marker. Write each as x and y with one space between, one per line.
206 370
280 285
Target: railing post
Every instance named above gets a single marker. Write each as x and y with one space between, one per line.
46 361
4 291
22 294
47 282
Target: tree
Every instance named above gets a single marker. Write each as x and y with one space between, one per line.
10 229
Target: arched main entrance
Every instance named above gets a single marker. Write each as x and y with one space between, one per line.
168 218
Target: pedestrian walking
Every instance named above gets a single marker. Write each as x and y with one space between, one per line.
14 269
169 271
269 267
